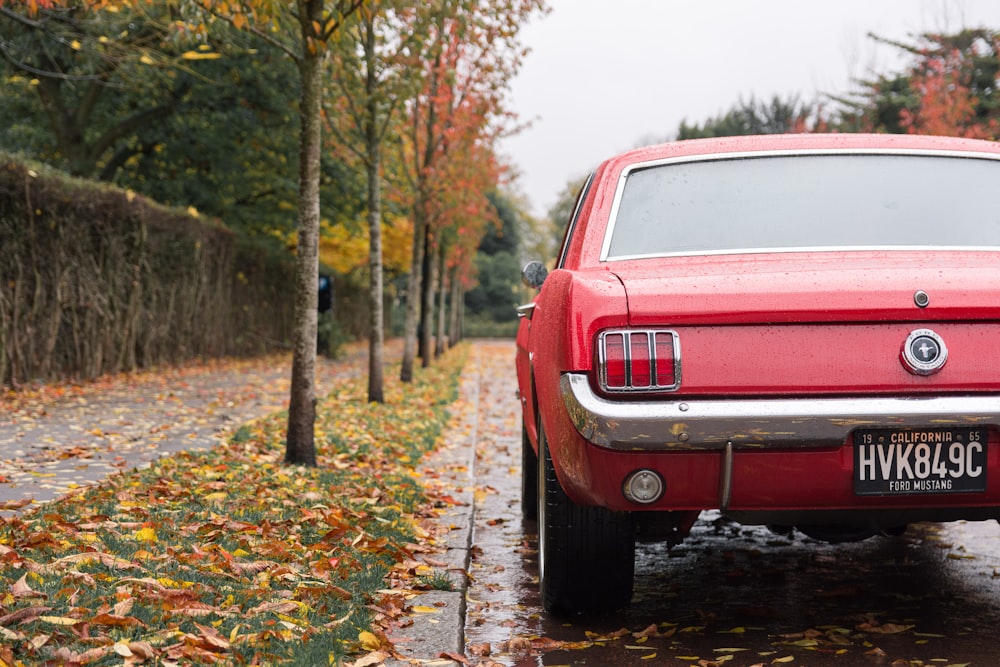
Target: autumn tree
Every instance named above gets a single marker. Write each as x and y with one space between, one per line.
372 81
470 53
301 30
948 87
461 216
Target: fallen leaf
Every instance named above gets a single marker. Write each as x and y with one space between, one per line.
884 629
373 658
480 650
369 641
457 657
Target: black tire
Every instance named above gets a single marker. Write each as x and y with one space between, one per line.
529 478
586 555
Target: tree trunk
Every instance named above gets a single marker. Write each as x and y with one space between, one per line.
300 447
429 291
456 307
440 344
413 296
376 342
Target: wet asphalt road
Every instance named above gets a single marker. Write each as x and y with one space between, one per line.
732 595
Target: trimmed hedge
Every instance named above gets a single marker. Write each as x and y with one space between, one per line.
97 280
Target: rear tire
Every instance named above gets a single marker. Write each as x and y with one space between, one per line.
586 555
529 478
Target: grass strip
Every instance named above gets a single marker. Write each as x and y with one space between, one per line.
229 556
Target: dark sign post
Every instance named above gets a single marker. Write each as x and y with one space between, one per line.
325 307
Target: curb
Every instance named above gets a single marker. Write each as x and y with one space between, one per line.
429 638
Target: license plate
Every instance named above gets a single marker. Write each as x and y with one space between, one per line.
917 461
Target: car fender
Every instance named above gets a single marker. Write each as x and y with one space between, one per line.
559 344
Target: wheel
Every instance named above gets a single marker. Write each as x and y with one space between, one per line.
586 555
529 478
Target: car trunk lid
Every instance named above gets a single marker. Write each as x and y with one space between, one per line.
822 323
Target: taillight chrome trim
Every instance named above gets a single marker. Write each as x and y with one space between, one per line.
630 388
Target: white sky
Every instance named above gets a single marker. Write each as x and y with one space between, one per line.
604 76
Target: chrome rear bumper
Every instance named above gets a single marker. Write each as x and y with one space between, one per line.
679 425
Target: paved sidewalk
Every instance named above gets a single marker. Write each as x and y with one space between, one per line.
94 430
478 421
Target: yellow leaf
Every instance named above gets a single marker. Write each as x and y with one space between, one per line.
146 60
648 656
369 641
787 658
146 535
60 620
75 45
217 497
196 55
424 609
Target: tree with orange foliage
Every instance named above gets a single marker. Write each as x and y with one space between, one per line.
949 88
947 103
460 219
464 65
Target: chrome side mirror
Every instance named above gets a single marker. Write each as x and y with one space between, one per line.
533 274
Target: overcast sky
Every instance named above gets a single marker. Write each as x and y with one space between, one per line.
606 75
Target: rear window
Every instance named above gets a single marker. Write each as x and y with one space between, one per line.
806 202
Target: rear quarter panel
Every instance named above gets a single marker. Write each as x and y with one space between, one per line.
571 308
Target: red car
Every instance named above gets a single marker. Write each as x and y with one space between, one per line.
800 331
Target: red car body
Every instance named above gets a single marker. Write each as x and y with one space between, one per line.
799 331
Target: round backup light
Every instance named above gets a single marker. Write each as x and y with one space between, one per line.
643 487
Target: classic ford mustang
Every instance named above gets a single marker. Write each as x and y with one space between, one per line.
800 331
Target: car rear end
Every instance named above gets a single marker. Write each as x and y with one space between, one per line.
812 337
799 331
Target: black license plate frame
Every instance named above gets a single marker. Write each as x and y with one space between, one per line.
920 461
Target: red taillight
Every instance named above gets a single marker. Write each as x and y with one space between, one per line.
666 375
638 360
614 361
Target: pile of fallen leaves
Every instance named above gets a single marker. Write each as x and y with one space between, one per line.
229 556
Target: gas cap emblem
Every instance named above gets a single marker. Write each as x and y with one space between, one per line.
924 352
